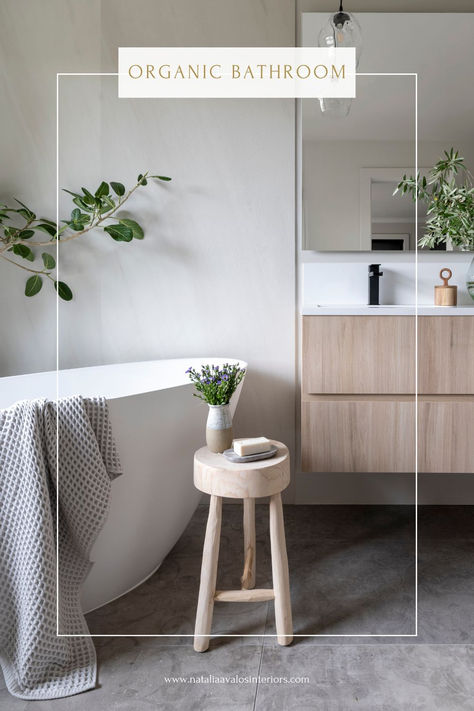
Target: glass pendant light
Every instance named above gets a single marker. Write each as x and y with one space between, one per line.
340 30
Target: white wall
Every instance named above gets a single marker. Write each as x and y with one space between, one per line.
215 274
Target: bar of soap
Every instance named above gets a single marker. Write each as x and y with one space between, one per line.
252 445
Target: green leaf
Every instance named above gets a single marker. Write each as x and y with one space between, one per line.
137 231
71 193
26 212
63 290
76 226
21 250
25 234
118 188
48 260
46 227
160 177
79 201
107 204
87 195
33 285
78 220
142 180
102 190
120 233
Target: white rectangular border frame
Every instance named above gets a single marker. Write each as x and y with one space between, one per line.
297 237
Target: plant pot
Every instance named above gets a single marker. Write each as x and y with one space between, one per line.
219 428
470 279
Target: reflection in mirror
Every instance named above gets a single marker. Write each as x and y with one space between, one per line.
387 220
351 165
391 221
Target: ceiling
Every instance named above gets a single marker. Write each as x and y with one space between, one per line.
439 47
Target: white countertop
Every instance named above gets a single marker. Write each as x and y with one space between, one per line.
386 310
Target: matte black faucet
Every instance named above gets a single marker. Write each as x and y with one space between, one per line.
374 274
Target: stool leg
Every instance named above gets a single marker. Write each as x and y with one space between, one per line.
281 580
207 589
248 576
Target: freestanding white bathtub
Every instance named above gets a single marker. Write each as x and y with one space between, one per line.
157 425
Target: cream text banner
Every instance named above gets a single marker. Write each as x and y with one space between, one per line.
236 72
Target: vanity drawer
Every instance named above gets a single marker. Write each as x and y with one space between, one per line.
351 435
446 355
445 441
358 354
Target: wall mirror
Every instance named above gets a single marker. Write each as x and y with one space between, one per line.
351 164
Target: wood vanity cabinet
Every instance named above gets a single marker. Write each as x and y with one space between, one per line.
445 435
358 394
446 355
358 354
357 435
446 399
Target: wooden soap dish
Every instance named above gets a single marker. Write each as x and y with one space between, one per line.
445 294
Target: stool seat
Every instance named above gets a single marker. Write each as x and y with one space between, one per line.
217 476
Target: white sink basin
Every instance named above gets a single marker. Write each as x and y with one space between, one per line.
365 306
386 310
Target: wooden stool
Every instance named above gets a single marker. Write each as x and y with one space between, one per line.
217 476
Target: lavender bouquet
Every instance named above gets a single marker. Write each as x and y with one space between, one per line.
216 385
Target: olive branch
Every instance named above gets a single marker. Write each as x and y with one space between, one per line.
449 196
18 241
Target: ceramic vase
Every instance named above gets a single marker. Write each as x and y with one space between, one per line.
219 428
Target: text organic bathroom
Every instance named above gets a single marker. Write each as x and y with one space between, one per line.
236 373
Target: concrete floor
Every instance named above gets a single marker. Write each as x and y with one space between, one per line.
352 572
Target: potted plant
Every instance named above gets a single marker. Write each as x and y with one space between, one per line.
449 195
216 385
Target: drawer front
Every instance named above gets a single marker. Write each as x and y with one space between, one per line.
445 439
358 355
358 436
446 355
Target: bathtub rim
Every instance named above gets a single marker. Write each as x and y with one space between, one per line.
44 384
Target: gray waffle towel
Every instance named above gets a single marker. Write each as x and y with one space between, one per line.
37 663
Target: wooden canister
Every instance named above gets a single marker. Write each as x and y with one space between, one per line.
445 294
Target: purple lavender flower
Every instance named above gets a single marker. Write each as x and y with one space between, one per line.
215 384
